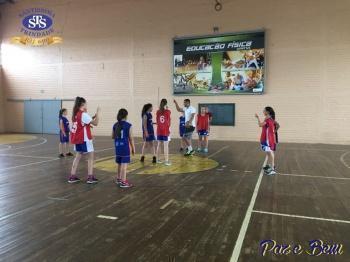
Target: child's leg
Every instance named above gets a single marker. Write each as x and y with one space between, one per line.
158 149
144 146
153 145
182 144
60 148
166 151
119 171
66 148
90 163
206 142
272 160
123 171
75 163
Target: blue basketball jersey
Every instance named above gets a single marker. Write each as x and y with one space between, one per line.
121 142
150 129
182 124
65 122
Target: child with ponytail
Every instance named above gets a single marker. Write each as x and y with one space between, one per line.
269 138
82 139
163 130
123 141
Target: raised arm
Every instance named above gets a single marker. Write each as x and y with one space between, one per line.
178 108
96 117
260 123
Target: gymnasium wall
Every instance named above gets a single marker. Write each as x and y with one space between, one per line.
118 53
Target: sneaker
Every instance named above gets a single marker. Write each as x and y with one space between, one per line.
267 167
205 150
73 179
125 184
159 162
60 155
271 173
189 153
199 149
69 154
154 160
91 180
181 149
118 181
167 163
142 159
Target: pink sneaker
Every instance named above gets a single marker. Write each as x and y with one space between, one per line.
73 179
125 184
92 180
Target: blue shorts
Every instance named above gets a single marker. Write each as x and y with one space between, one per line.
64 139
182 132
85 147
266 148
203 133
163 138
122 159
150 138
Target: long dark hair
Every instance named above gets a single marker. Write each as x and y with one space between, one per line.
145 108
61 112
122 114
271 112
79 101
163 104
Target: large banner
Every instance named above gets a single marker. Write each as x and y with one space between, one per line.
219 65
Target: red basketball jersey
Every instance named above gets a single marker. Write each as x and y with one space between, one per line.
268 133
77 131
163 122
202 122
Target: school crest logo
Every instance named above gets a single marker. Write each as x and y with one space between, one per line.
37 28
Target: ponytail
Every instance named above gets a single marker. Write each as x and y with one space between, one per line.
79 101
145 108
61 112
122 114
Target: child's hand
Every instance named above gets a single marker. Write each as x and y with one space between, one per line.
133 151
256 115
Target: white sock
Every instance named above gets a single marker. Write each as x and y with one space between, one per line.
190 148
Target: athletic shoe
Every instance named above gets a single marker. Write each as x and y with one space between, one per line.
205 150
271 173
142 159
181 149
91 180
159 162
167 163
125 184
69 154
154 161
199 149
73 179
60 155
267 167
118 181
189 153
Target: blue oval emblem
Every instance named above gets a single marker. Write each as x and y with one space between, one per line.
37 22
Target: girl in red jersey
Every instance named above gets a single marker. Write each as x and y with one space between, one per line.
82 139
203 120
269 138
163 130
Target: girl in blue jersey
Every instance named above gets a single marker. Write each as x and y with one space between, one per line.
123 141
64 134
148 132
182 124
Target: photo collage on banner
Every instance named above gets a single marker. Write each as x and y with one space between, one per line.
219 65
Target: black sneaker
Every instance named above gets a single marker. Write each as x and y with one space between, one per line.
267 167
154 160
189 153
142 159
73 179
92 180
69 154
60 155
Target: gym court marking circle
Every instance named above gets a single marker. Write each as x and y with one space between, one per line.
179 165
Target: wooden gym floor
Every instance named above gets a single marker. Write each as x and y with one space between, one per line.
220 212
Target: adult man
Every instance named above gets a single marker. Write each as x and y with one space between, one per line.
190 113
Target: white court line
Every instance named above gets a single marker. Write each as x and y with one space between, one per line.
342 159
107 217
167 204
58 198
305 217
325 177
30 164
29 146
239 242
217 152
44 157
